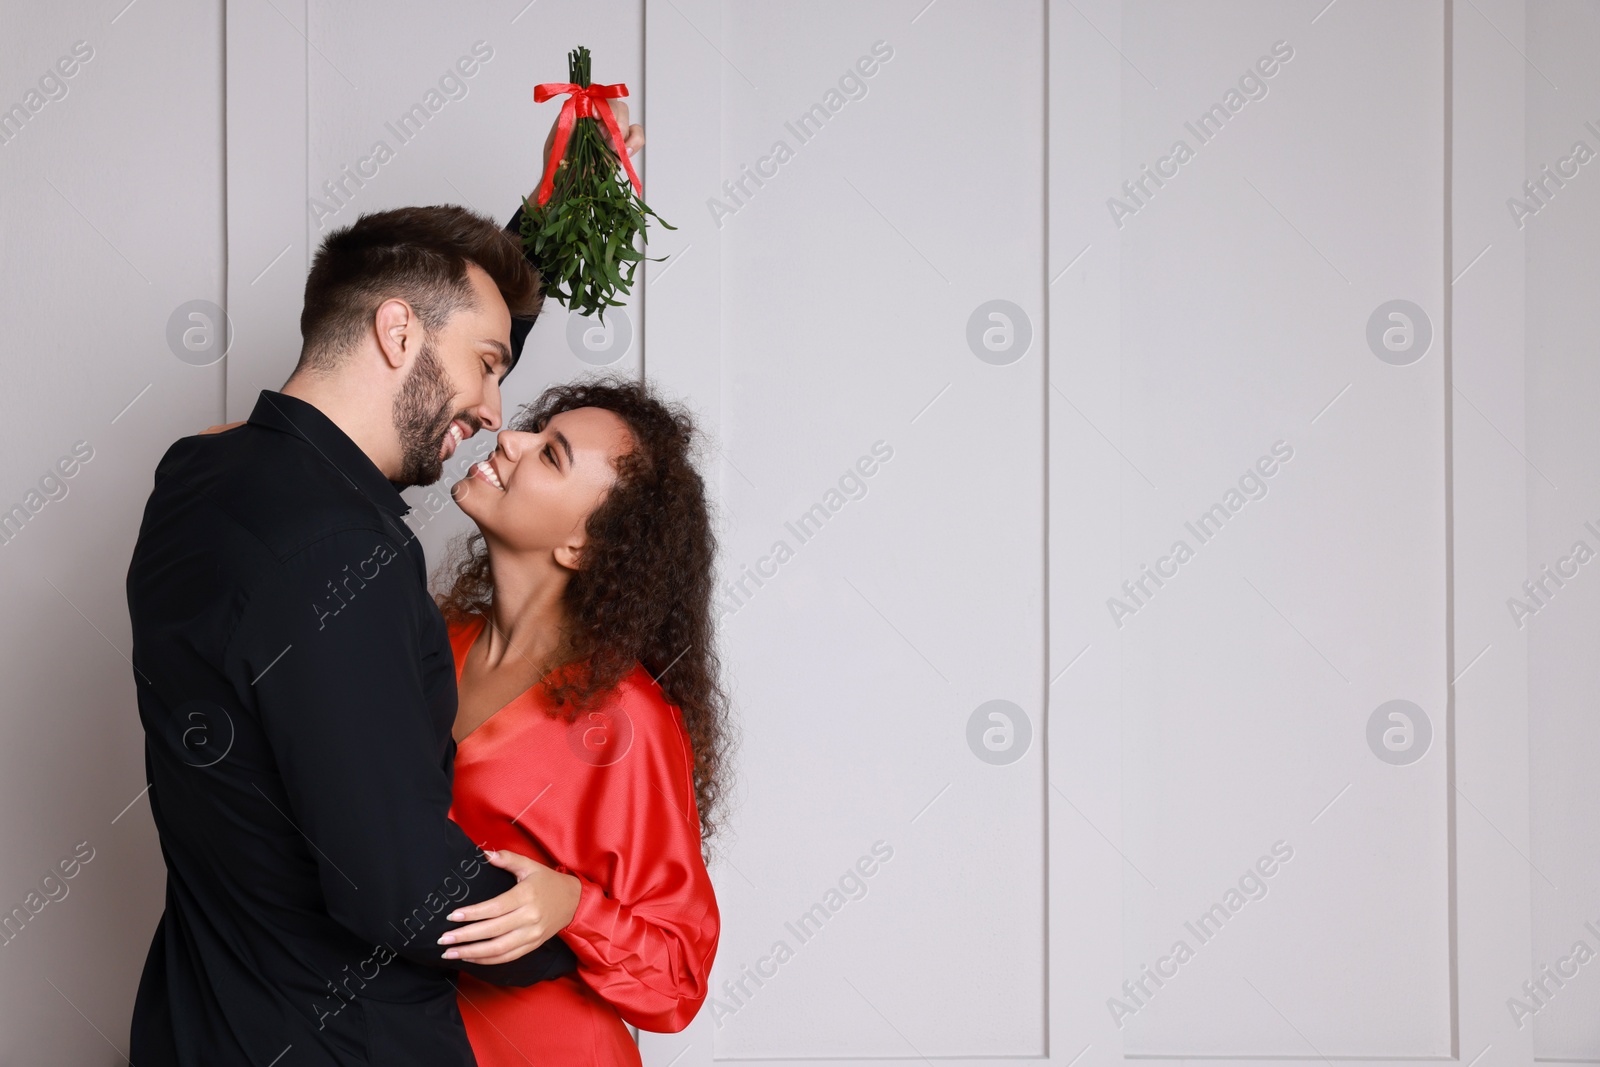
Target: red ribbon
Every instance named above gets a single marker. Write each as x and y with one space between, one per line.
582 103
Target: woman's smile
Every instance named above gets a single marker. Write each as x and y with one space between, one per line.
485 471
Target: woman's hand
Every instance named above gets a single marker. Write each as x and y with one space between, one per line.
519 920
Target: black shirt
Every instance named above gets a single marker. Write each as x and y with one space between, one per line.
297 690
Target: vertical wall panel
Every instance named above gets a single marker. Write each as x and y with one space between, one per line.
1557 613
266 164
110 223
1490 476
683 331
1304 476
1088 476
896 200
684 79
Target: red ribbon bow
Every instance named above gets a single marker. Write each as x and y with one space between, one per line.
583 102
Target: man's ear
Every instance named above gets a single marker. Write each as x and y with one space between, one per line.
399 331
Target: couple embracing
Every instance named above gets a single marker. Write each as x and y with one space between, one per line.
408 829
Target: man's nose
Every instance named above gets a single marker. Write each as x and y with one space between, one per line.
488 413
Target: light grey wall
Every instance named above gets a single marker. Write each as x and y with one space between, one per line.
841 302
111 210
1563 376
1491 473
1315 593
851 277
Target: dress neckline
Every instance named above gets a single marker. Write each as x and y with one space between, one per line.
464 635
469 637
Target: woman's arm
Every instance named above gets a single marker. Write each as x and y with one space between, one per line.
651 960
642 919
517 921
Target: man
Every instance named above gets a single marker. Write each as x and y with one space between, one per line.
295 680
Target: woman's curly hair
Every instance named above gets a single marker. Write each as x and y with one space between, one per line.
642 592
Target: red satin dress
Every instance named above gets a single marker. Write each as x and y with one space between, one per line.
608 798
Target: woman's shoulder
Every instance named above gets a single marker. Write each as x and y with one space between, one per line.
652 714
639 689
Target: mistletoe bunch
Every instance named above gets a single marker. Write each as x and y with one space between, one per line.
582 228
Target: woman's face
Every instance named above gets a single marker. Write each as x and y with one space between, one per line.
536 491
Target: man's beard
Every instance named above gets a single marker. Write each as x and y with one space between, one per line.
422 417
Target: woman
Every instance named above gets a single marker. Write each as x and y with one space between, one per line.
591 725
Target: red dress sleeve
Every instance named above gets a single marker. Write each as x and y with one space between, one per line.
646 946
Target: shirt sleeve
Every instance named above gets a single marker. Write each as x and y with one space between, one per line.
333 647
521 327
647 945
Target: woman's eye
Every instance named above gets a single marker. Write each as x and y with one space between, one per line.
550 454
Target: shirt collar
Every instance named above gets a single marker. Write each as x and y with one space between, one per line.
291 415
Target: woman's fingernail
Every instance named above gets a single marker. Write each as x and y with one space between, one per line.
452 954
455 916
447 939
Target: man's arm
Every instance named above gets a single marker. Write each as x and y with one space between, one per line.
521 327
333 644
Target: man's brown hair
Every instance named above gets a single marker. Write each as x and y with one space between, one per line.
418 254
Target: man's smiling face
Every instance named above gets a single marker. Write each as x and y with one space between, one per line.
453 388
